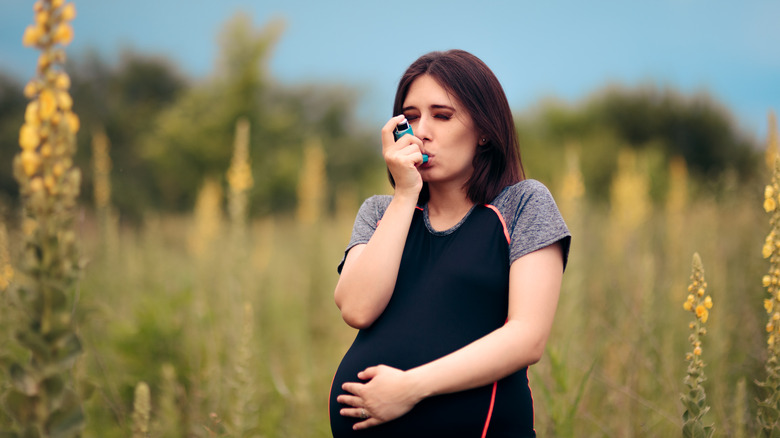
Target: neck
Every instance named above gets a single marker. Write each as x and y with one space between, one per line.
448 201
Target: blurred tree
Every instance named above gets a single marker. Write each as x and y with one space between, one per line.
12 104
660 122
124 101
192 139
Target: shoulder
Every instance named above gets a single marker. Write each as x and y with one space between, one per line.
529 191
531 218
375 206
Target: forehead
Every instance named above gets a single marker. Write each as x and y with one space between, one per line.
425 91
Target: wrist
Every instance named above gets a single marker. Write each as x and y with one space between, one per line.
420 385
406 198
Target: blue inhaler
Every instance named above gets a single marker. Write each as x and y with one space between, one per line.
402 129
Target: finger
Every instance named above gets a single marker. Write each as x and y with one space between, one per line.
352 387
370 372
352 412
350 400
367 423
387 130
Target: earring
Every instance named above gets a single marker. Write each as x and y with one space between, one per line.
482 141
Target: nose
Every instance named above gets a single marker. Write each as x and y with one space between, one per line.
422 130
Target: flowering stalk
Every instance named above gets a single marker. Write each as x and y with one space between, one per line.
40 400
769 407
695 399
6 269
239 176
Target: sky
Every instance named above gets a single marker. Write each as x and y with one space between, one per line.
565 49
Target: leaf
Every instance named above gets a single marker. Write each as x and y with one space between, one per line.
581 390
65 423
86 389
68 349
23 381
35 343
53 387
19 406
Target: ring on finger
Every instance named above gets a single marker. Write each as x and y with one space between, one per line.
363 413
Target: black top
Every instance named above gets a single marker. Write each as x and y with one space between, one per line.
452 289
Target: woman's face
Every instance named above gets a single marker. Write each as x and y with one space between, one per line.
446 129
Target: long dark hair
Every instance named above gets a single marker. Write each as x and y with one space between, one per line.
497 163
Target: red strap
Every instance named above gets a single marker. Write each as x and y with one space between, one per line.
501 218
490 411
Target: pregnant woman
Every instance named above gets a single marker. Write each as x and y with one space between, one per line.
453 280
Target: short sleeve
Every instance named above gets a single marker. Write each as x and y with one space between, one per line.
532 219
366 221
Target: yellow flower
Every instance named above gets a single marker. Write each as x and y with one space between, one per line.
46 150
31 89
28 137
708 302
58 169
62 81
42 17
767 251
57 3
766 280
73 122
63 34
36 184
769 204
687 306
702 313
770 327
64 101
30 161
697 351
32 35
48 104
769 191
69 12
768 305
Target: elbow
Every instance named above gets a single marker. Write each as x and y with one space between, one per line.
352 316
355 319
535 354
536 350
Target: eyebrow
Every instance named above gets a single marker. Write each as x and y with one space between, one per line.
407 108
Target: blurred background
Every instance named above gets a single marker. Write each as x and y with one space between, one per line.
226 146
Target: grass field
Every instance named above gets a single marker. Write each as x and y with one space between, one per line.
236 333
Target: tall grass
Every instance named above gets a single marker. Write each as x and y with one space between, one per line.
197 327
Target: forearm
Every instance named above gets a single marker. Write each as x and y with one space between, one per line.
490 358
368 277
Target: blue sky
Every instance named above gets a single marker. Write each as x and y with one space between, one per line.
567 49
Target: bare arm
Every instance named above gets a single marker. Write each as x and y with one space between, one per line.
534 286
369 273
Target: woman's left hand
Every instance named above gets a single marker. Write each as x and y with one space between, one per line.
387 394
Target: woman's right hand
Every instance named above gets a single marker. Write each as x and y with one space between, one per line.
402 158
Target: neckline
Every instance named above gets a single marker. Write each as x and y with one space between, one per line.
448 231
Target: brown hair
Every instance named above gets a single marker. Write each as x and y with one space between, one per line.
496 164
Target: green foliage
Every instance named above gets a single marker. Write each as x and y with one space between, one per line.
661 121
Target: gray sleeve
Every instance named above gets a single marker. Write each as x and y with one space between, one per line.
533 219
367 219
